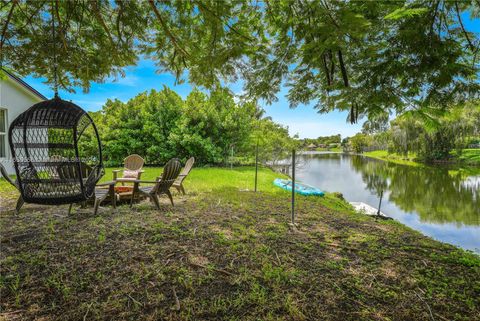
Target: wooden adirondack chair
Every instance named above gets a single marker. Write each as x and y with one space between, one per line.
161 185
132 169
66 171
20 201
178 184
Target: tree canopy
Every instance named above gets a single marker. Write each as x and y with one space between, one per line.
366 57
452 134
160 125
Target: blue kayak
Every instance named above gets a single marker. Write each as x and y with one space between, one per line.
300 188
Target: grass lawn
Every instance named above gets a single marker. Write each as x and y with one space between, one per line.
469 156
226 253
335 149
393 157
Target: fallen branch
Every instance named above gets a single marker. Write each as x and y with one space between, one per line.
278 258
176 307
135 301
426 303
86 313
212 268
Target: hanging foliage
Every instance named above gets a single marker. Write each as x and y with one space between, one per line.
355 56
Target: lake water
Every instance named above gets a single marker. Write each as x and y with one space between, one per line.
439 202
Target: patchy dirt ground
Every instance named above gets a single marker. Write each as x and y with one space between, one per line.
227 255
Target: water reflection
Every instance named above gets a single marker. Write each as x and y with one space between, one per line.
442 203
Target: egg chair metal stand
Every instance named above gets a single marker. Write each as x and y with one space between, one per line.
52 144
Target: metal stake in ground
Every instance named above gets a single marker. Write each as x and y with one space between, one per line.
380 202
293 186
256 165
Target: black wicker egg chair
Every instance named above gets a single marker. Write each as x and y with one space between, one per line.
54 160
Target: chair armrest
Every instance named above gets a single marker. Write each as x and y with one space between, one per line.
109 183
182 175
115 173
139 174
138 181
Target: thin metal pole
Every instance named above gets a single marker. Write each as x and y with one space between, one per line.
380 203
55 62
293 186
256 165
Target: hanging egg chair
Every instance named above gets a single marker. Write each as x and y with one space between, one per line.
57 153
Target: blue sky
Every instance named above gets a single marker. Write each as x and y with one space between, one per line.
303 120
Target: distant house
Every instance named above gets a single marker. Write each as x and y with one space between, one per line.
16 96
312 146
474 145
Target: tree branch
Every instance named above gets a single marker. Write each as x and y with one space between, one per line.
119 16
98 15
343 69
332 64
434 15
226 24
166 29
29 18
470 44
325 67
62 31
5 27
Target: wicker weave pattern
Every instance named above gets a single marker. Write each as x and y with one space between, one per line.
49 161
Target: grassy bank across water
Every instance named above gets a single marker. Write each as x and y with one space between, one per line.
335 149
226 253
394 158
468 157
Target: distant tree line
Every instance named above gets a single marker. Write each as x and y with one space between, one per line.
159 125
432 138
321 141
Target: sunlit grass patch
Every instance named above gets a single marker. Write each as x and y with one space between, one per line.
410 159
225 253
469 156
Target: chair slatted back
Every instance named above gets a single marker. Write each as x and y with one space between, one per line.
188 166
89 175
169 175
186 170
133 162
70 170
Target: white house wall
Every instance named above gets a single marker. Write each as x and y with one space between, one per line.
15 98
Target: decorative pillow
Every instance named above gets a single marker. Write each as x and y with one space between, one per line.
130 174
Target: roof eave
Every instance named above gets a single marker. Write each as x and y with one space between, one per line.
24 84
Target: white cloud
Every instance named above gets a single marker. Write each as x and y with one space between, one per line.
128 80
309 129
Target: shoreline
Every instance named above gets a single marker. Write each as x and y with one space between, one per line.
226 251
399 214
383 155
